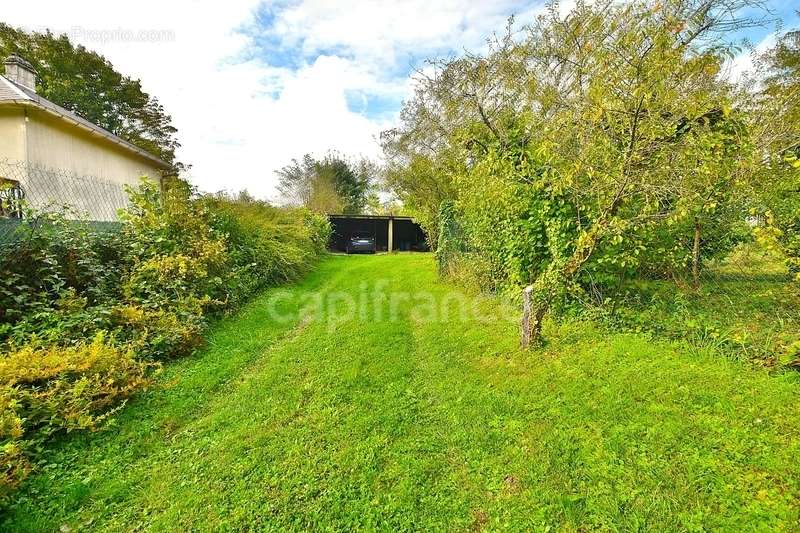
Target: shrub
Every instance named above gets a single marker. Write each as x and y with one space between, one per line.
171 249
86 312
51 273
160 333
267 245
52 388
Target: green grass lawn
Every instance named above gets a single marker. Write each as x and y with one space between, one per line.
397 419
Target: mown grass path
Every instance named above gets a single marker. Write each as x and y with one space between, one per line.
393 418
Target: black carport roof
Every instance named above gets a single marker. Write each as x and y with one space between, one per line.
373 217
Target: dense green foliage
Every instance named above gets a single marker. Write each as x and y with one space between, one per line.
779 186
402 424
333 184
422 183
596 148
85 312
86 83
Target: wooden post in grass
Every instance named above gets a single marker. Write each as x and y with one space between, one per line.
527 310
696 255
391 234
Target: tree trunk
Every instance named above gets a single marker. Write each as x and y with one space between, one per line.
696 254
535 328
538 297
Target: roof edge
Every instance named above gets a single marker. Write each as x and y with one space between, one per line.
371 217
75 120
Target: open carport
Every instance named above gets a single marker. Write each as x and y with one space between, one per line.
392 233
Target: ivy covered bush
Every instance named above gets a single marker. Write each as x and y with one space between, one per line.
86 312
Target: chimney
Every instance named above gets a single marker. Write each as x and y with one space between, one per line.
20 72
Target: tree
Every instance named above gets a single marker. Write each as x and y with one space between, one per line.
87 84
376 206
333 184
420 183
588 129
294 180
776 120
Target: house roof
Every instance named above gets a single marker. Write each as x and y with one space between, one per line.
15 94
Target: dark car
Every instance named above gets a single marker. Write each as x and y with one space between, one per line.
361 242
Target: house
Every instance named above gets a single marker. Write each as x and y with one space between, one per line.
51 156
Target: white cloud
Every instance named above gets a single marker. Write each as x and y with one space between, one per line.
240 118
744 63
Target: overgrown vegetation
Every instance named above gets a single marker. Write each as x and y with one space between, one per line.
779 119
587 154
87 313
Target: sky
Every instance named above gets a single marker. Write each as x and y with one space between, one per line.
251 84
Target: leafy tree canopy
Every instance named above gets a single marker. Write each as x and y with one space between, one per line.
333 184
776 120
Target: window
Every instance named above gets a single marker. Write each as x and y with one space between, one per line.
11 196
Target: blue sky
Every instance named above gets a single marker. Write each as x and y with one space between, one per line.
782 12
780 16
293 35
390 40
252 84
276 44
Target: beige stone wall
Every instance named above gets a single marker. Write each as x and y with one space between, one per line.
52 143
12 134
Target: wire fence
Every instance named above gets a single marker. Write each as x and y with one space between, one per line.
26 189
745 303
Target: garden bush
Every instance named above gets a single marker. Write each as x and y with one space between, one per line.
267 244
47 389
87 312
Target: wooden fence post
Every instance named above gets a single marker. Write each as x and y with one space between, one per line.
527 309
